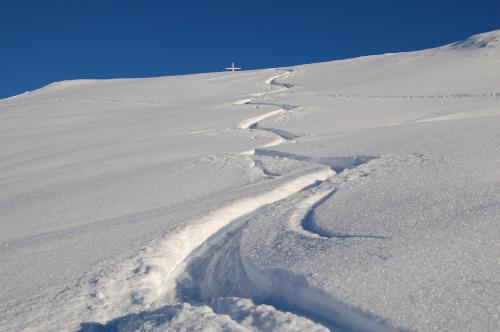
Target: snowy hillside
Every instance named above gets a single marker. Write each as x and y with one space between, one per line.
354 195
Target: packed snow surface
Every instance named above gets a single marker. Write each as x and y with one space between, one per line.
353 195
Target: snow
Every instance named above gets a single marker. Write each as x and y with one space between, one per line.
360 194
223 314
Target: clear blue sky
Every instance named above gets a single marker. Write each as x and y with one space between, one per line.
45 41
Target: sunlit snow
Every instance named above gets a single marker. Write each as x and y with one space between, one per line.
353 195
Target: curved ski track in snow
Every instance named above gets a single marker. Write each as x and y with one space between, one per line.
168 258
310 303
224 264
253 122
151 279
271 82
303 219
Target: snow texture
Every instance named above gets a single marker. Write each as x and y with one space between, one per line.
353 195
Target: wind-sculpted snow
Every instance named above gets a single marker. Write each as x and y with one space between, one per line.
353 195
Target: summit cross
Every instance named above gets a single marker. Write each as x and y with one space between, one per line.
233 68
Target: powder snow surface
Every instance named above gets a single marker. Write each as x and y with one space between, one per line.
353 195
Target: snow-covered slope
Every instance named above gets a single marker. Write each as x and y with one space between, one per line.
360 194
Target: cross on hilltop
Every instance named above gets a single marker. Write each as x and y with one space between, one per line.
233 68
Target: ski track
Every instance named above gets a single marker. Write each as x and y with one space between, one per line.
183 243
271 83
152 279
252 122
274 284
260 165
164 261
312 304
224 264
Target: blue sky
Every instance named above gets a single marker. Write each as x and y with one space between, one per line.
46 41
